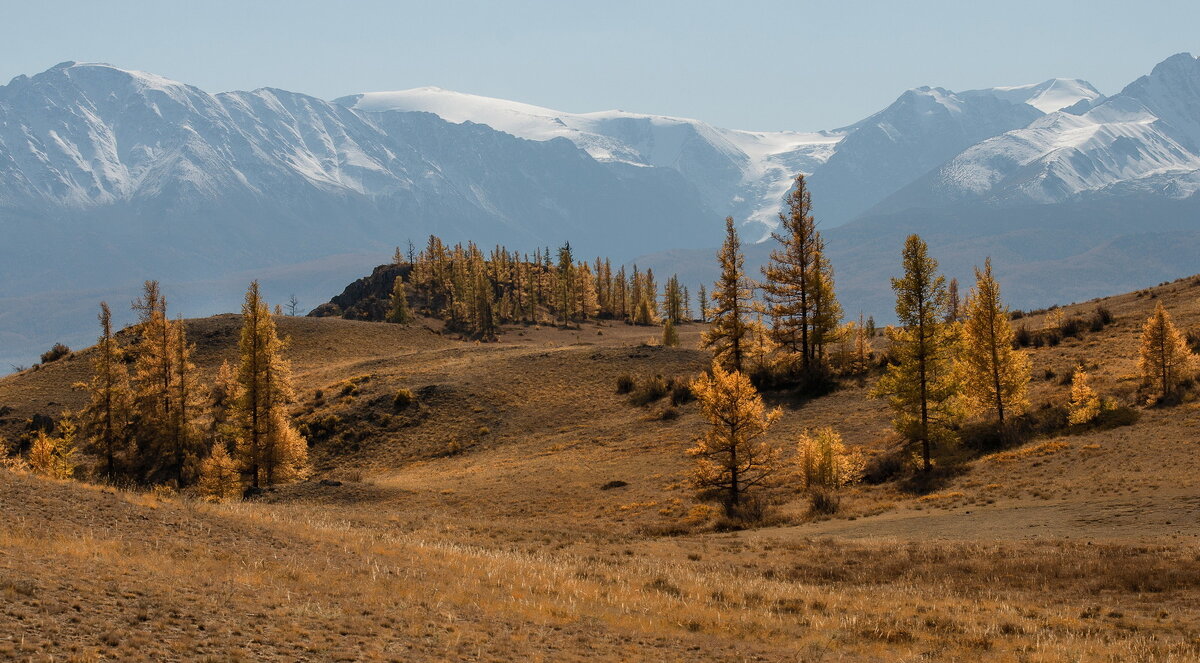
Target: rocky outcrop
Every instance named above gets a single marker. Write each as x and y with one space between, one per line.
368 298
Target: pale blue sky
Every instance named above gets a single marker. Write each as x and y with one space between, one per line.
765 65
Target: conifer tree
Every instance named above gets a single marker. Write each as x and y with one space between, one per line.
222 401
670 337
953 303
759 347
731 457
650 293
1165 360
220 478
163 392
621 294
826 310
824 462
921 387
269 447
586 301
1085 404
673 301
996 374
53 456
731 303
703 310
186 445
399 312
805 313
106 417
566 283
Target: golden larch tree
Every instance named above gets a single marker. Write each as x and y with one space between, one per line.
798 282
269 448
995 373
1085 403
732 458
220 478
1165 360
53 456
824 463
105 420
731 299
921 386
399 311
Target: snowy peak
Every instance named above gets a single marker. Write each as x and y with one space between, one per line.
1146 138
742 173
1172 92
1053 95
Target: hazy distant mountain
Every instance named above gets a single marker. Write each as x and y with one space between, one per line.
110 176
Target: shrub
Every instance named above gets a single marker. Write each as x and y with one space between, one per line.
992 436
1072 326
681 393
669 414
403 399
55 353
625 384
883 467
1023 337
1115 416
751 511
823 502
649 391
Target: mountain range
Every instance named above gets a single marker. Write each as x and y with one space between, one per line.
109 176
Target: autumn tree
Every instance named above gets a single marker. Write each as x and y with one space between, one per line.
221 403
824 463
220 478
53 455
1085 403
954 311
799 282
166 444
920 386
731 304
1165 360
673 301
995 372
732 458
105 420
270 448
399 312
670 336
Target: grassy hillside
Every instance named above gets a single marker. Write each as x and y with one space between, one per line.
520 509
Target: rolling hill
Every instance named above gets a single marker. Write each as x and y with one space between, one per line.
522 509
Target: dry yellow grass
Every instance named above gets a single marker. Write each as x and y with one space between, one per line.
472 523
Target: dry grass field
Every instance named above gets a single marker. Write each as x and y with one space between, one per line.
520 509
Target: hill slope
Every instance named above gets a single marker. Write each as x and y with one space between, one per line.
475 524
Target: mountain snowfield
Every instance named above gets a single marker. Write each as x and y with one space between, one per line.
742 173
109 176
745 173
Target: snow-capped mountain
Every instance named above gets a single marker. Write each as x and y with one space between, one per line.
1145 139
739 173
746 174
109 176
